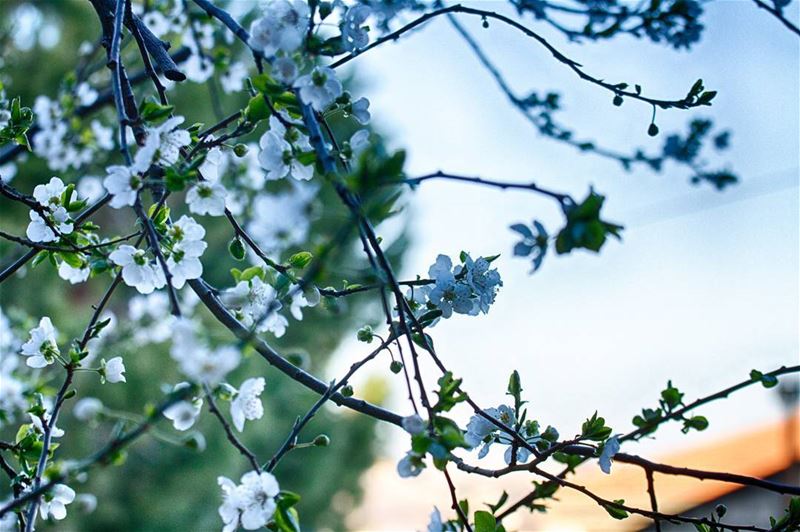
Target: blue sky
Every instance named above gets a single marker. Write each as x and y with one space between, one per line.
704 286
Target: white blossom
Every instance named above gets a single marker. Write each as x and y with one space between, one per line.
41 348
232 79
300 300
246 404
281 220
85 93
215 163
183 414
164 142
255 304
483 281
435 524
50 194
354 35
281 27
86 502
38 426
359 142
87 408
466 289
72 274
8 171
284 69
251 504
187 246
414 424
113 370
91 188
359 110
53 504
13 397
610 449
277 154
198 68
137 270
319 88
207 197
39 231
152 312
123 183
410 465
103 136
479 427
232 502
156 22
197 361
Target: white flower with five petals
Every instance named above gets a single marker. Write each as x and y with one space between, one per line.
137 270
246 404
319 88
41 348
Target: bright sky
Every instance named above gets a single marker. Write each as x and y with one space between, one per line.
704 286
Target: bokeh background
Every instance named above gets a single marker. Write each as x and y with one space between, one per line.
702 289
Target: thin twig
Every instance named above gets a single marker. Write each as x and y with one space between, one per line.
228 431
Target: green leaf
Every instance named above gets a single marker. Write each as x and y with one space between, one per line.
698 423
252 271
515 389
150 110
615 511
73 259
300 260
595 429
449 394
257 109
496 506
671 396
706 97
485 522
584 228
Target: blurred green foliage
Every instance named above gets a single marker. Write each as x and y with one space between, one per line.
160 486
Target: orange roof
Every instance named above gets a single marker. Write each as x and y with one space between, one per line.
412 499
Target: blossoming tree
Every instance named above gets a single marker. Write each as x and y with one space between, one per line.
256 176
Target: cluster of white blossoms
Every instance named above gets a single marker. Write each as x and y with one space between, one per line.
150 318
58 143
280 221
50 198
250 504
13 399
281 150
162 147
255 303
196 360
280 28
482 431
186 248
468 288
